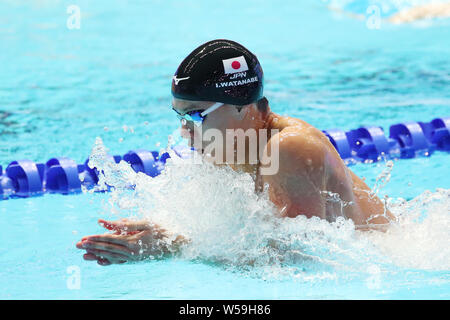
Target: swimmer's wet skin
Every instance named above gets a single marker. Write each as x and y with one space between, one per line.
220 86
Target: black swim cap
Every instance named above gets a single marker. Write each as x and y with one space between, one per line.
219 71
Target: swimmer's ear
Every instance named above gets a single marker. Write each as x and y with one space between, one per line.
240 115
239 108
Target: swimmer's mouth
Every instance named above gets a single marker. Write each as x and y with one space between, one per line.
190 138
187 134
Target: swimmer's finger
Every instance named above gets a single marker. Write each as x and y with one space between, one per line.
89 257
111 225
93 257
103 262
79 244
110 256
114 248
124 225
100 245
109 238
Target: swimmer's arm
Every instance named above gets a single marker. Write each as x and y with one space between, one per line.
131 241
372 208
296 187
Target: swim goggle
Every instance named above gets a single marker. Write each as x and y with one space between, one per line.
198 116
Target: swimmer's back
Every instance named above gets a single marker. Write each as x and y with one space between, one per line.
311 166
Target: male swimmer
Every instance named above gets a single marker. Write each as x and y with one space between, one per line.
220 86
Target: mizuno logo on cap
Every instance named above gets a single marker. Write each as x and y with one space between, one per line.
179 79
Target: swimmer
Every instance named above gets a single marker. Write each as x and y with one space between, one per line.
414 13
435 9
220 86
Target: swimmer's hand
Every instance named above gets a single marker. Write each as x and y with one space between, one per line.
131 241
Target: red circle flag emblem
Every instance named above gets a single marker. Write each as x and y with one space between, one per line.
235 65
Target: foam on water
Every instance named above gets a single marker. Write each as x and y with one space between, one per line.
420 239
228 224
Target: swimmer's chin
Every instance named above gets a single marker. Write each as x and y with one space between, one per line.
190 142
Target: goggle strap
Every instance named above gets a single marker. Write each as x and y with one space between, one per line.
215 106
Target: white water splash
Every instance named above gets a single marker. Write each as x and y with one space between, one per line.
228 223
421 238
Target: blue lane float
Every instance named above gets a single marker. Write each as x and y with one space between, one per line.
25 178
61 176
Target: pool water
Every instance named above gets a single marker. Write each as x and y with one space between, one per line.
60 89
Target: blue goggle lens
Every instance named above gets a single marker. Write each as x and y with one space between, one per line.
193 116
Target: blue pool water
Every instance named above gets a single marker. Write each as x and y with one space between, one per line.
61 88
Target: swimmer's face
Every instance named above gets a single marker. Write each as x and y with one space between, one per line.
225 117
188 129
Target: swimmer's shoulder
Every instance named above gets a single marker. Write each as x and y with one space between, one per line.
295 131
297 141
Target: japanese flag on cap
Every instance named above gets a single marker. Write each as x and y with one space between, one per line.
234 65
